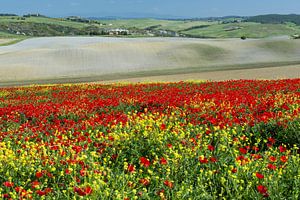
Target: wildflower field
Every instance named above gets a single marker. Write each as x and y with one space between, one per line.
186 140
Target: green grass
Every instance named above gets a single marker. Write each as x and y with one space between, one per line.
213 30
249 29
172 25
43 20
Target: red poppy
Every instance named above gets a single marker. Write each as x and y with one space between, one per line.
8 184
271 140
163 161
234 170
144 181
83 191
262 190
39 174
130 168
170 146
272 158
210 147
260 176
255 148
213 159
243 150
272 167
168 183
144 162
82 172
284 159
41 192
163 127
34 184
18 189
67 171
203 160
282 149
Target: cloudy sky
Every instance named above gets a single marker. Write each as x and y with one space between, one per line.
147 8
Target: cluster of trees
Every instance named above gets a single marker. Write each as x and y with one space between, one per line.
275 19
7 15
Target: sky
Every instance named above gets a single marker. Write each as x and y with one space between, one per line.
150 8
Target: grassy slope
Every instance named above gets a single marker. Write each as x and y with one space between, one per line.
54 21
164 24
249 29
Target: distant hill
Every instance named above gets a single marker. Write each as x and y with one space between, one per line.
37 25
275 19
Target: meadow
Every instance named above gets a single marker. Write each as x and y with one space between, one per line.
186 140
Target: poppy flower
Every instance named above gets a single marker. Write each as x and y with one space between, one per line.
271 140
8 184
144 181
39 174
213 159
282 149
163 127
83 191
255 148
67 171
34 184
168 183
259 175
272 167
41 192
243 150
144 162
272 158
130 168
203 160
283 159
210 147
163 161
262 190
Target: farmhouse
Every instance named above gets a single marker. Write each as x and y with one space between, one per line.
118 31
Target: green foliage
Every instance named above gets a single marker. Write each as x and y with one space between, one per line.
275 19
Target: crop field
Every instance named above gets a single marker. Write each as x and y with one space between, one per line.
61 59
186 140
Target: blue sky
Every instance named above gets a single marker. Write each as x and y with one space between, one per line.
140 8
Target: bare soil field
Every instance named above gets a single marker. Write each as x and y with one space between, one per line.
64 59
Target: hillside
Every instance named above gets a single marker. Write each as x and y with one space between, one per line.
103 58
228 27
275 19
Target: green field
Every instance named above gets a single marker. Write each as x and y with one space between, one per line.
14 26
248 29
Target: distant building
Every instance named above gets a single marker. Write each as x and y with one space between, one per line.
118 31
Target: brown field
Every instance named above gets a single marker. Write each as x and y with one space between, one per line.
77 59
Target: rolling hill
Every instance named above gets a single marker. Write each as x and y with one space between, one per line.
226 27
